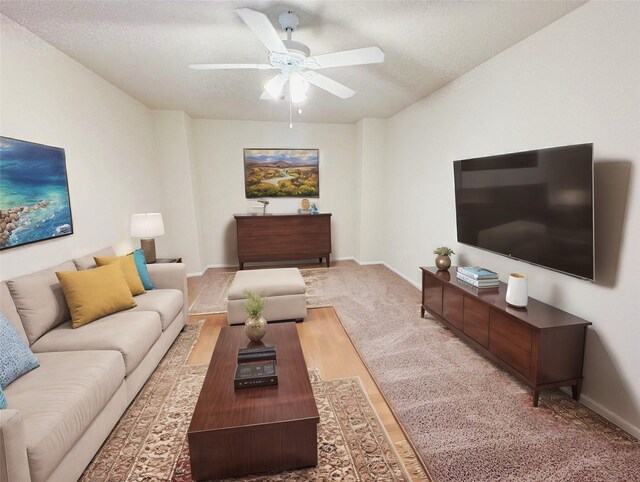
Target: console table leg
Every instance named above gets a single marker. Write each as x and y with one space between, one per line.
241 264
576 389
536 395
421 311
328 260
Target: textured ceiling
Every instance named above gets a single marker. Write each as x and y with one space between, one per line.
144 47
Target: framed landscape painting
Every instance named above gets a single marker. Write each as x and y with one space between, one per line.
281 173
34 193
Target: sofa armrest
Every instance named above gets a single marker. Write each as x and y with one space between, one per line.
14 465
171 275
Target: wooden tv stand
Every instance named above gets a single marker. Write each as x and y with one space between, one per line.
540 345
283 237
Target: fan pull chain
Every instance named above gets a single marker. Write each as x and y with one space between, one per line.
290 116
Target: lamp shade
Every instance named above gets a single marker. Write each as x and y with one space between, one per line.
147 225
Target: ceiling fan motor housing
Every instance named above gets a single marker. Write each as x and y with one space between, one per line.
288 21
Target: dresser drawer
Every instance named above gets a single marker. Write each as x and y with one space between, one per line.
432 294
452 309
476 321
511 342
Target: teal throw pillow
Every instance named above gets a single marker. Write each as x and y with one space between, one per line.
3 401
143 272
16 358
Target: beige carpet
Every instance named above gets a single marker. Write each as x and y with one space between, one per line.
149 443
468 419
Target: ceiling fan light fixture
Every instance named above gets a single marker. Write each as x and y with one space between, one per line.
298 87
275 85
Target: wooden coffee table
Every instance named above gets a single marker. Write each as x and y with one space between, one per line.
251 430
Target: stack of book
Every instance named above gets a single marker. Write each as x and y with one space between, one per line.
478 277
256 367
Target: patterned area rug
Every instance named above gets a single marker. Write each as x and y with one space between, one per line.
467 418
215 286
149 443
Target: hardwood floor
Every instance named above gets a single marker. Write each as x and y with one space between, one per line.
327 347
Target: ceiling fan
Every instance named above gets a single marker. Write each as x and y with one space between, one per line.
293 59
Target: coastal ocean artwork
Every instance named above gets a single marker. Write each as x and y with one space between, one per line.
34 194
281 173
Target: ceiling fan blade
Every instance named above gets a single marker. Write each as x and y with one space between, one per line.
367 55
230 66
275 85
263 29
330 85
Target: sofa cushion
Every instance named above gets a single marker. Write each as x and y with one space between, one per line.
166 302
9 310
143 271
39 300
59 400
130 333
16 358
87 262
129 268
95 293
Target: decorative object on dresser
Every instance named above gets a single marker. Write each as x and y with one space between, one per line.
35 193
517 290
283 237
443 260
254 430
256 326
281 173
541 346
146 227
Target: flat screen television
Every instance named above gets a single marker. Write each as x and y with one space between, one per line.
535 206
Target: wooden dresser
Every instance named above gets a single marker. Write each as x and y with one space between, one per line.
283 237
540 345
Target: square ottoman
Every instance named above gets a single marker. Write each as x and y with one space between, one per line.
284 288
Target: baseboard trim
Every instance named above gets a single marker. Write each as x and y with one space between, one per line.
403 276
368 263
235 265
606 413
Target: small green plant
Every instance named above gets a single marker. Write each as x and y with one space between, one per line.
443 251
255 304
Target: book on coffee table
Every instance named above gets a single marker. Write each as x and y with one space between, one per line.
263 353
256 374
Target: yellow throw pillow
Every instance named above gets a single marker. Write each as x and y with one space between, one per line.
94 293
128 265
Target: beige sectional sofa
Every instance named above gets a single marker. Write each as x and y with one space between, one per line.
59 414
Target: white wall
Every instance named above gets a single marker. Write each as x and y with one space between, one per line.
371 236
577 80
173 147
108 139
218 147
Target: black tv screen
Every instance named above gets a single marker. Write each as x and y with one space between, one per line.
536 206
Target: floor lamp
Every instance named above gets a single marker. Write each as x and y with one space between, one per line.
146 227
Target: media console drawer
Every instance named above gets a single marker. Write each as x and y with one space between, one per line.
540 345
476 321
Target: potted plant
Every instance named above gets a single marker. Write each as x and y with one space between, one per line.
443 260
256 326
